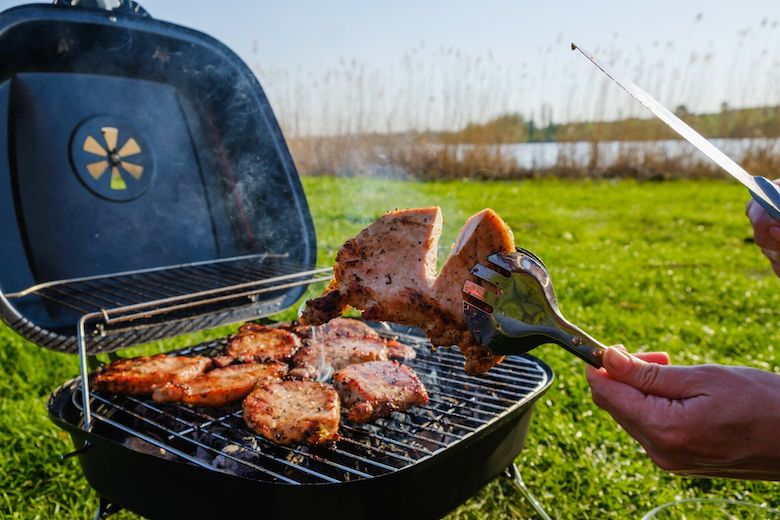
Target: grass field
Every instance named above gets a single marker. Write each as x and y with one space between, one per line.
664 266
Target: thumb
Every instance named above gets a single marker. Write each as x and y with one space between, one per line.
651 378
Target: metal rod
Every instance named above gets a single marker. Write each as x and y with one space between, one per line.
514 475
203 294
38 287
197 303
82 346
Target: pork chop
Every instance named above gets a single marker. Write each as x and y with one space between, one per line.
352 328
346 327
255 342
388 271
321 357
220 386
378 388
398 351
337 327
141 375
290 412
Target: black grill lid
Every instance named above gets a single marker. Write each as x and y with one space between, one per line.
129 144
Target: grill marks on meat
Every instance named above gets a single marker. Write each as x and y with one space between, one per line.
290 412
221 385
141 375
255 342
378 388
388 271
320 358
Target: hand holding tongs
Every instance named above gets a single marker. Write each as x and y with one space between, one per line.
515 310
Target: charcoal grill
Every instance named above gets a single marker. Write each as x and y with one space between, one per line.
205 223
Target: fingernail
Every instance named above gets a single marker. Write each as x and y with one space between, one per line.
617 361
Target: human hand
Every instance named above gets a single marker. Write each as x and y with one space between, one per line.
766 232
708 420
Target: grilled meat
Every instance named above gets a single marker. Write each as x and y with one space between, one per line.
290 412
141 375
337 327
346 327
388 271
320 358
378 388
482 235
398 351
221 385
351 328
255 342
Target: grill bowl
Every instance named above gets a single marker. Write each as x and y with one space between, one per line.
169 461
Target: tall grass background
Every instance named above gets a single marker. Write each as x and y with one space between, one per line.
443 113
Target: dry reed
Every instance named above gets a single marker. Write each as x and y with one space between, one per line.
445 114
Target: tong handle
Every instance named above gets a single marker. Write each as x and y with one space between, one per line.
772 191
581 344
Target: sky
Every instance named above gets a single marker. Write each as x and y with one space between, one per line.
349 66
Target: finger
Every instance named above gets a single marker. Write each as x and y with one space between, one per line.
765 228
649 378
629 406
661 358
764 241
773 256
774 231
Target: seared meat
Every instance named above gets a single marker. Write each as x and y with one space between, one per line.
337 327
399 351
346 327
351 328
389 272
255 342
482 235
140 376
386 270
289 412
378 388
221 385
320 358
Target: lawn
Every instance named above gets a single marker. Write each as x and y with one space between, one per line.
656 266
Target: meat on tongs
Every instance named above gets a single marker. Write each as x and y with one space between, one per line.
388 271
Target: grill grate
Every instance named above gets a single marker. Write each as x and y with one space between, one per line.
135 307
217 439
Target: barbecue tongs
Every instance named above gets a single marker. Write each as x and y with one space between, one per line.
513 309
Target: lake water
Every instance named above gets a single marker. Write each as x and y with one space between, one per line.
535 156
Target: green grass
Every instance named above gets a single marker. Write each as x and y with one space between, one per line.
663 266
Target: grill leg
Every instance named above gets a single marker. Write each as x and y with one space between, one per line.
105 509
513 472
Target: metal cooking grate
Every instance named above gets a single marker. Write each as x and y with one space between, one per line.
217 439
139 306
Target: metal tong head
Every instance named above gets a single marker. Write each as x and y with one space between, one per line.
512 309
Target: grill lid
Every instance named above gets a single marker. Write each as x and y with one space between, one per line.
133 145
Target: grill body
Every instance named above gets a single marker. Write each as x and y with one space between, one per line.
420 464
